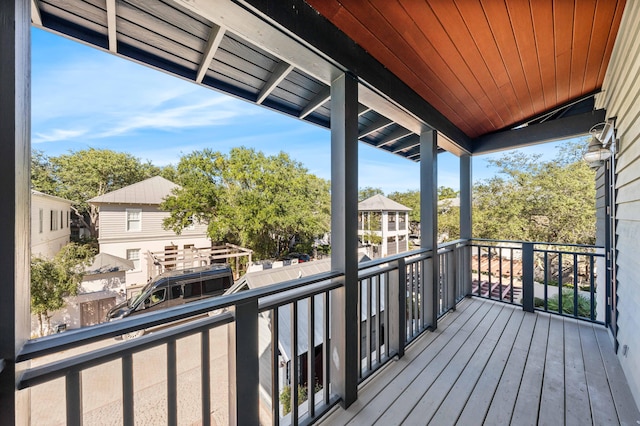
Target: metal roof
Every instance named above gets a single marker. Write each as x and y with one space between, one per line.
150 191
381 203
104 263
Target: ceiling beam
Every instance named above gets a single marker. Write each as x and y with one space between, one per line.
395 135
111 26
363 109
562 128
309 27
279 74
215 37
317 101
380 123
35 13
406 143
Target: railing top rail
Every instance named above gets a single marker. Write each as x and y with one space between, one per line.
382 261
74 338
535 243
47 372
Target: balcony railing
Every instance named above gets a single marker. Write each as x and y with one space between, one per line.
293 370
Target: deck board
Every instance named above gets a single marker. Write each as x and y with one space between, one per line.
491 363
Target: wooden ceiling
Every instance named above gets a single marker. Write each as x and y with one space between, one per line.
486 64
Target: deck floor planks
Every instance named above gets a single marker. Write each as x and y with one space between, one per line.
552 408
438 390
530 368
620 390
578 410
412 391
603 409
445 400
415 353
477 405
504 399
526 410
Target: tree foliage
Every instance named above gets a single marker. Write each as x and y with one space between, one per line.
410 199
534 200
82 175
247 198
368 192
54 279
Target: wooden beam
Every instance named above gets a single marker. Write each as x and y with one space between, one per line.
111 26
215 37
279 74
378 124
36 19
562 128
318 100
393 136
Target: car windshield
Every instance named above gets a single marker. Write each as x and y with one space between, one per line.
134 300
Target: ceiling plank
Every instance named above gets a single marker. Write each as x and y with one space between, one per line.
111 26
393 136
563 33
379 124
318 100
562 128
582 39
36 19
279 74
215 37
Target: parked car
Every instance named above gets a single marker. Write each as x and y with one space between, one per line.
302 257
175 288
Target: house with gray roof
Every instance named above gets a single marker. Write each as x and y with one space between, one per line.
130 221
383 225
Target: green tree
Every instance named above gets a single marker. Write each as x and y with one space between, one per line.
54 279
444 193
82 175
534 200
368 192
247 198
410 199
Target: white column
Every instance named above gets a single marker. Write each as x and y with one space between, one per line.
466 233
344 237
15 150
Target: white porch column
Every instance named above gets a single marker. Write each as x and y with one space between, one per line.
466 199
344 237
15 124
429 223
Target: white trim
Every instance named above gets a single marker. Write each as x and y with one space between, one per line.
127 220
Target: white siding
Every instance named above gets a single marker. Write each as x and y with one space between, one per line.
48 242
619 97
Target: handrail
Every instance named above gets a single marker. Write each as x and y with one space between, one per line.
537 243
403 255
74 338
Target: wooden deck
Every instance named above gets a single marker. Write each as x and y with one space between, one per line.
491 363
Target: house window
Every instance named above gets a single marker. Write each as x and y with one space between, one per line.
134 256
67 218
61 219
54 220
40 220
134 220
192 224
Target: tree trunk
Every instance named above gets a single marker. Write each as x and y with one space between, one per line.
40 323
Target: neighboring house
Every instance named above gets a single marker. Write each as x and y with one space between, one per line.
50 224
385 220
130 226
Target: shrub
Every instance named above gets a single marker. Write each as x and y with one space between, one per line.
285 396
584 306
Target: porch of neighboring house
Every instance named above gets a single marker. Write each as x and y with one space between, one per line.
492 363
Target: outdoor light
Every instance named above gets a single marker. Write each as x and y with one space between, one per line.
600 143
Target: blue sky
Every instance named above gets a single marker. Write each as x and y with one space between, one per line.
83 97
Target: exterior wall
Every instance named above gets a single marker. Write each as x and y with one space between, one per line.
394 239
116 240
46 242
621 90
601 240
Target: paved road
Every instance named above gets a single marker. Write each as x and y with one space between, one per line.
102 387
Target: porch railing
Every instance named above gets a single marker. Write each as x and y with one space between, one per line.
296 376
290 376
557 278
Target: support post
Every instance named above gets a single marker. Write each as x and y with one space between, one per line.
244 400
429 281
527 277
398 308
15 149
344 237
466 232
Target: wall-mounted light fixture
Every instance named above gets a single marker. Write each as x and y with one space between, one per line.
601 140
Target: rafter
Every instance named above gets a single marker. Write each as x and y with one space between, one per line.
111 26
215 37
378 124
279 74
407 143
35 13
397 134
315 103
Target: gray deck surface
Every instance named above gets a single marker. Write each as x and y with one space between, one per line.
491 363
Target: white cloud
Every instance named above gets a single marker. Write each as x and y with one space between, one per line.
54 135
